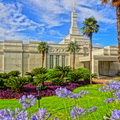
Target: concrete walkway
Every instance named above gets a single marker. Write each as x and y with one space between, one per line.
102 79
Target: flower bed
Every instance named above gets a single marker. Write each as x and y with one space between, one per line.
49 91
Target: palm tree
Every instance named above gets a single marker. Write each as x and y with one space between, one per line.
64 70
42 49
90 27
116 3
72 48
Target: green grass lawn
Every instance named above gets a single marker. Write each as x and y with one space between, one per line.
56 105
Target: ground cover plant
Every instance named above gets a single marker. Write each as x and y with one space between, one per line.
30 89
99 103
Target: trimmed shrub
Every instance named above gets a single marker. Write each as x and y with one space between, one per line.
57 81
1 83
84 73
74 76
16 83
52 73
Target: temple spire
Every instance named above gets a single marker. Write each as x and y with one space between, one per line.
74 28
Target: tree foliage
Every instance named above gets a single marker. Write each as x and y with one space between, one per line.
73 47
42 49
90 26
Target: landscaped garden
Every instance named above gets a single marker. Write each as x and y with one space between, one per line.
85 102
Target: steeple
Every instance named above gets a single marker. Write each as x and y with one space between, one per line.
74 28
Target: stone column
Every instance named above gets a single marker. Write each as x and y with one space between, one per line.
95 66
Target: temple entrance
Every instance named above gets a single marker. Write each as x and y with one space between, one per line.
108 68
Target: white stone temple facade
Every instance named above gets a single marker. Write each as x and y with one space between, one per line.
16 55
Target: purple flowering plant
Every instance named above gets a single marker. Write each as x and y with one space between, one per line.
22 114
113 87
76 111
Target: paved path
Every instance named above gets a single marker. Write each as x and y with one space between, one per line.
100 81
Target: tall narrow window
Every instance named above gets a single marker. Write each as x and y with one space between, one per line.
57 60
63 60
51 61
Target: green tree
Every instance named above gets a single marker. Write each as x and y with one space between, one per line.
73 47
116 3
90 26
42 49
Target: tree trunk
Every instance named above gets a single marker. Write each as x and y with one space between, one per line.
73 61
91 58
43 55
118 29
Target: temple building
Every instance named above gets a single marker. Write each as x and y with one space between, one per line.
16 55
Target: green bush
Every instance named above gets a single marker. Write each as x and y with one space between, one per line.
52 73
1 83
14 73
74 76
30 79
65 70
85 73
16 83
4 75
94 75
57 81
40 78
37 71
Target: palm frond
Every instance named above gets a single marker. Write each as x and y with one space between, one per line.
105 2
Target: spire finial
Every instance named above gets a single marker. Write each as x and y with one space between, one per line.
73 5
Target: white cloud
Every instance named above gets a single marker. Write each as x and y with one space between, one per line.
97 45
12 21
53 32
32 28
49 11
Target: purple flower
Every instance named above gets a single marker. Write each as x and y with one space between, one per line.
117 95
115 114
22 100
83 92
34 117
27 101
3 113
110 86
22 114
92 109
42 113
109 100
104 89
77 112
62 92
74 95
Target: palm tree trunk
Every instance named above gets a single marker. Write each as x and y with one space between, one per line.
73 61
43 55
91 58
118 29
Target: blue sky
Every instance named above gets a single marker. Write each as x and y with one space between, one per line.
49 20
